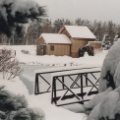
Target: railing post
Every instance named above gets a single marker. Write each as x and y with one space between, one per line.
52 97
81 88
36 89
63 82
54 90
86 81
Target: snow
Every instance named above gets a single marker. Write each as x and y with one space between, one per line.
42 101
46 60
55 38
111 64
17 86
67 68
109 105
80 32
52 112
97 99
75 72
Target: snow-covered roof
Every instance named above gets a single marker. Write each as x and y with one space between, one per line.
55 38
80 32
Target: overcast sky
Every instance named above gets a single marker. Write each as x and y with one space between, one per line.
86 9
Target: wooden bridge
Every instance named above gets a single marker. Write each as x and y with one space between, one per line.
69 84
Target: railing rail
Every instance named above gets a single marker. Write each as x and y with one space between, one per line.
84 79
40 76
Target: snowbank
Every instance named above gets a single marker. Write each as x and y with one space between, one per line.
52 112
15 86
41 102
52 60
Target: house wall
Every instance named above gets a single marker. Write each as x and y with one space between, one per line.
40 42
59 49
76 43
64 31
97 45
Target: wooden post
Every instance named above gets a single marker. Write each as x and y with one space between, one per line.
63 82
36 85
54 89
86 75
81 88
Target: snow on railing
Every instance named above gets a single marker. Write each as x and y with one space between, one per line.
67 68
75 72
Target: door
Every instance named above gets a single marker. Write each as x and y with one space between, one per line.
43 49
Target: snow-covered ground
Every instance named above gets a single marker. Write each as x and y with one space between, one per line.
52 60
18 86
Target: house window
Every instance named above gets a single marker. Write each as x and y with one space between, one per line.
52 47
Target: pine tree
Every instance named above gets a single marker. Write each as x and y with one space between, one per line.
106 44
14 13
14 107
117 36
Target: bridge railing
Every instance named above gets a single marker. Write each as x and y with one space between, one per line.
84 84
43 76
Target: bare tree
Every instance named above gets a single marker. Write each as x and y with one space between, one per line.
9 65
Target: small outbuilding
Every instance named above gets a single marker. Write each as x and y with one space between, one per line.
96 45
53 44
79 37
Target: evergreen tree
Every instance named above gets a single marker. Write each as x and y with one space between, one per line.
58 24
14 13
106 44
117 36
14 107
78 21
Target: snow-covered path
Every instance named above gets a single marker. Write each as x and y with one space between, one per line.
52 112
28 76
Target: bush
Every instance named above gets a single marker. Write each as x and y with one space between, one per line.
9 65
14 107
25 51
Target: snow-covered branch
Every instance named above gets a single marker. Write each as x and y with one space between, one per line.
9 65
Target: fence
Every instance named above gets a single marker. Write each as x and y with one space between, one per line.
40 76
84 84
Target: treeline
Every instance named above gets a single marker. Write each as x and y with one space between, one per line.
33 31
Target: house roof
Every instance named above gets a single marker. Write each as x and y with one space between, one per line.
79 32
55 38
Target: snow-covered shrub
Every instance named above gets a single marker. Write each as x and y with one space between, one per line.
109 105
25 51
110 73
9 65
97 99
106 44
14 107
116 38
107 109
28 114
